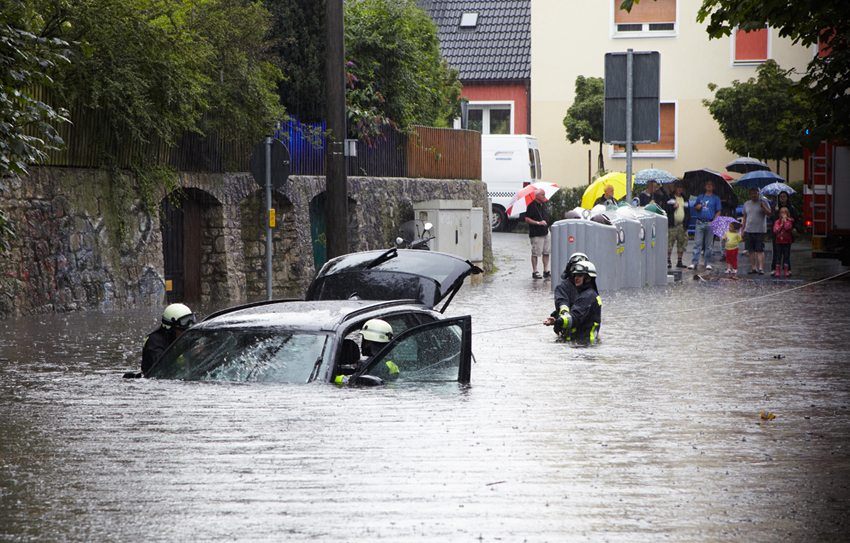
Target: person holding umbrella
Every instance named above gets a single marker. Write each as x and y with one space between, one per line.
707 208
607 199
754 228
653 193
678 219
537 218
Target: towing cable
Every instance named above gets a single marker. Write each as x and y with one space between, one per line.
643 315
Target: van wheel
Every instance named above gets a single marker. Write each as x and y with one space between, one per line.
498 219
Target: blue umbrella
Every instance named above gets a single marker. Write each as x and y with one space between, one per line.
774 189
654 174
758 179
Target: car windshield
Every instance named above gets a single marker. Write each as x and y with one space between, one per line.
282 356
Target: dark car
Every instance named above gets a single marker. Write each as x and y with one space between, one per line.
317 339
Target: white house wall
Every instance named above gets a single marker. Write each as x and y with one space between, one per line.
571 37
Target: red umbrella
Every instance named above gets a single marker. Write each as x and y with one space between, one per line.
519 203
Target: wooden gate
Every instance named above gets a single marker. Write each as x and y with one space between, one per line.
181 249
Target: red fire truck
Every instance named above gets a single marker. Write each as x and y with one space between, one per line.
826 198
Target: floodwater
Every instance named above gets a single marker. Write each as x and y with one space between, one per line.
652 435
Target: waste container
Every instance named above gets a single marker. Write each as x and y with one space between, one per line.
597 241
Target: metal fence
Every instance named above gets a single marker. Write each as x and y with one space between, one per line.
436 153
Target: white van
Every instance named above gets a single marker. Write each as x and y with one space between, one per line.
508 163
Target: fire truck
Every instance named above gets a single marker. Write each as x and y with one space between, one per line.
826 198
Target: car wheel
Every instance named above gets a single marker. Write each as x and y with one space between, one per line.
498 219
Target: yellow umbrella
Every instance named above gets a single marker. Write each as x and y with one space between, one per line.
597 188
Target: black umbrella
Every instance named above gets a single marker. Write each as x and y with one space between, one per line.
695 183
746 164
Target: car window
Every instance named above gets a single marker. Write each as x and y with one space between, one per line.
244 355
438 351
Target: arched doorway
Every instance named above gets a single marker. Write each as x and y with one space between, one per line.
186 219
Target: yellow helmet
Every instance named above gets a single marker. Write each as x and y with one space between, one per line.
377 330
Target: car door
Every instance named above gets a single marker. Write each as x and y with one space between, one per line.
434 352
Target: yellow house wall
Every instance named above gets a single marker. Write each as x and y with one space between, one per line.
570 38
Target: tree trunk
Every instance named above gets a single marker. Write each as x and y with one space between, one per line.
601 160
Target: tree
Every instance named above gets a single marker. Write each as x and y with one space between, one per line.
827 77
298 34
396 69
761 116
585 117
27 124
156 69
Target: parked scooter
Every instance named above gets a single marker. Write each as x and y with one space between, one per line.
411 229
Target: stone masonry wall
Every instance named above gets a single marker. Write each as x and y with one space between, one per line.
87 243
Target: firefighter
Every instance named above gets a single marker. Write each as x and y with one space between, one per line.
565 292
374 335
176 319
583 319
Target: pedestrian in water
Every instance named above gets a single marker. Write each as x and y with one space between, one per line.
175 320
537 218
582 322
732 238
782 201
782 228
707 208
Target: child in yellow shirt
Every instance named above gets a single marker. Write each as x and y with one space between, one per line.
732 239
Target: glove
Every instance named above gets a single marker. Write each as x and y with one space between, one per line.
564 320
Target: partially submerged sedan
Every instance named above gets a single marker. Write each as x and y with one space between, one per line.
318 339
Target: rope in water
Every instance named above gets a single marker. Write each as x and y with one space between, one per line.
701 309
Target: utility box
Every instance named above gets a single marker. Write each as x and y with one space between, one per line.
458 227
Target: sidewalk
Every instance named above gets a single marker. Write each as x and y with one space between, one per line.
803 266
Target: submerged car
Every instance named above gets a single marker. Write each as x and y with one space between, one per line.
317 339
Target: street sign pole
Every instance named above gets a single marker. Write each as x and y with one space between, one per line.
268 142
629 104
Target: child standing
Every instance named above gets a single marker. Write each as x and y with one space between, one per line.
782 228
732 239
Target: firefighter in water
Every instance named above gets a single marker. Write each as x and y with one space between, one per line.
175 320
565 292
580 321
375 334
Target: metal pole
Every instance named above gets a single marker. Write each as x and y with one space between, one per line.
268 142
629 97
336 201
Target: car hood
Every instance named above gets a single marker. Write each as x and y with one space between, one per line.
395 274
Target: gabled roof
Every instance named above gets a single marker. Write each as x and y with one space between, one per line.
497 48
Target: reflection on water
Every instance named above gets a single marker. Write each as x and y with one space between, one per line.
653 434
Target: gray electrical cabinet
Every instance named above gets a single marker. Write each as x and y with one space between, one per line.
458 228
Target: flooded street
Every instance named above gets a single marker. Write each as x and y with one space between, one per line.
652 435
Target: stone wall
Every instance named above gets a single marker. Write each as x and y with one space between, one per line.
86 242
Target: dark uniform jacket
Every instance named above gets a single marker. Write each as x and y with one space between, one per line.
602 200
565 295
586 311
155 344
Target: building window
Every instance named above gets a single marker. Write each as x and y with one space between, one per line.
647 19
666 146
490 118
469 20
751 47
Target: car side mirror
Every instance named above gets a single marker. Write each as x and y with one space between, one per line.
428 226
366 381
399 241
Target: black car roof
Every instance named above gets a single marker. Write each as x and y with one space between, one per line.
296 314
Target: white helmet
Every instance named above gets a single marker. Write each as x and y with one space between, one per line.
377 330
586 267
576 257
178 316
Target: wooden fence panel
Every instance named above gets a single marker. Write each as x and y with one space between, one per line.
443 153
